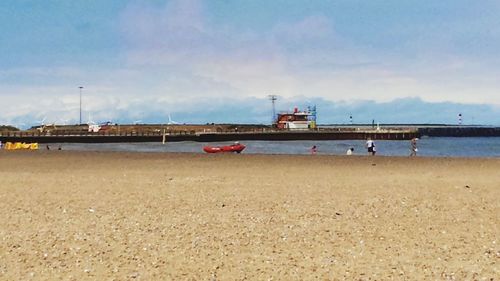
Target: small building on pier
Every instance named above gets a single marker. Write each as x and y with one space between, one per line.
297 120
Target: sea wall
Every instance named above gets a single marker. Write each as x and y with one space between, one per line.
324 134
459 131
211 137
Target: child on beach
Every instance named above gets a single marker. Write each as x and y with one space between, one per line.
350 151
314 149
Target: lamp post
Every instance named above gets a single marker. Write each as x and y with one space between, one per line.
80 105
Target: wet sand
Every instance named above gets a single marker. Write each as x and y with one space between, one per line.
139 216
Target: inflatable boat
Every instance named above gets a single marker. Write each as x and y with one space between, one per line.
238 148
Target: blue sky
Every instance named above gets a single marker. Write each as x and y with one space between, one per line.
216 61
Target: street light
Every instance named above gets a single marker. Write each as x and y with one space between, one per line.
80 105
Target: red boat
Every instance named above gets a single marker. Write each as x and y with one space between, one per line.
237 147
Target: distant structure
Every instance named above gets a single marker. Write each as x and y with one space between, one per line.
312 117
94 128
273 98
80 104
297 120
170 121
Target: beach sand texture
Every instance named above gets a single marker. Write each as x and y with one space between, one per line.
144 216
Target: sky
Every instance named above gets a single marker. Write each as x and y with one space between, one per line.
201 61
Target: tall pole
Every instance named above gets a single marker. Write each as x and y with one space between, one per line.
80 105
273 98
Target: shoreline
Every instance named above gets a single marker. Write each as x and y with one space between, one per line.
64 151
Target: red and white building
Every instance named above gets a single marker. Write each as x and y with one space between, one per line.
296 120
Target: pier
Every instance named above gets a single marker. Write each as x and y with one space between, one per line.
460 131
176 136
215 133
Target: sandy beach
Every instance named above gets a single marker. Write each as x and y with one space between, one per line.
157 216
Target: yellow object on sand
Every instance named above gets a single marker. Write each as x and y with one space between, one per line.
20 146
8 145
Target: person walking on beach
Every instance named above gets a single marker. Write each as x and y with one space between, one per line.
413 147
370 145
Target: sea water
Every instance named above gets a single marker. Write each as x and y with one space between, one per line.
428 146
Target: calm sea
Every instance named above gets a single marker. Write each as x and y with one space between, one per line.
440 147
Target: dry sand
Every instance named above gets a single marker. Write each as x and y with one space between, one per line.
123 216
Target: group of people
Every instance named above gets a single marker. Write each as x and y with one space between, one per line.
372 150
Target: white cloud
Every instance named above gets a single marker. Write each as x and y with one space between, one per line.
306 57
